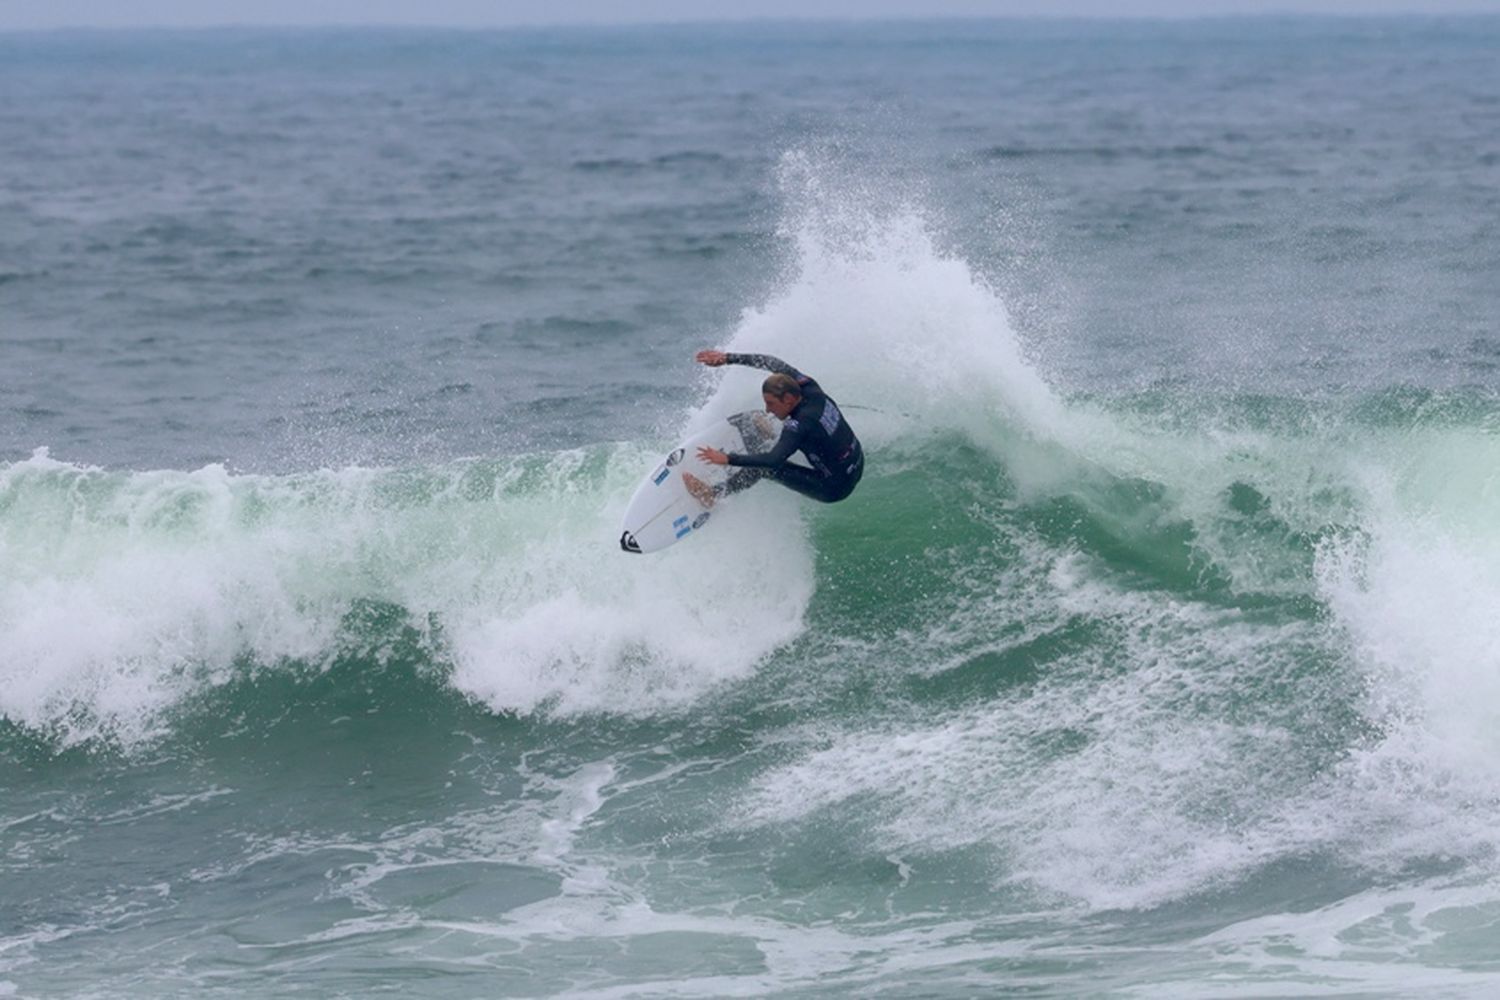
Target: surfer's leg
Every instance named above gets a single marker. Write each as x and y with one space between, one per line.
808 483
740 479
800 479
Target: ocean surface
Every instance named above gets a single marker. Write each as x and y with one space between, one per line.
1157 655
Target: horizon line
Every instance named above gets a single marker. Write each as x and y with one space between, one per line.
779 19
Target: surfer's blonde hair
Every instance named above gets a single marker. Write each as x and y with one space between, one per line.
780 385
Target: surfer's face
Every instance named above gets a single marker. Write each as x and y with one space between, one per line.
780 406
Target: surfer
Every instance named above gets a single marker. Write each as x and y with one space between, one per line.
811 424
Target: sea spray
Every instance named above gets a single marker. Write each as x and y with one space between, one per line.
884 319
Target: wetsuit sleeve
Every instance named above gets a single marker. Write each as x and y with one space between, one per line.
764 361
790 441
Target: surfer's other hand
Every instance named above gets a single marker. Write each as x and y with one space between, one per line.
711 358
713 456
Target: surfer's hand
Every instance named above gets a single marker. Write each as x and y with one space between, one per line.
711 358
713 456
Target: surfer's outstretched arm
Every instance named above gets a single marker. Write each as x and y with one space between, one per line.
790 441
763 361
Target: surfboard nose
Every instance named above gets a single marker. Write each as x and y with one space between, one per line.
629 544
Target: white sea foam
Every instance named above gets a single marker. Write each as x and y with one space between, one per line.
125 593
1116 779
1415 593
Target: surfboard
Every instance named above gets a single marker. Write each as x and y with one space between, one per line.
663 512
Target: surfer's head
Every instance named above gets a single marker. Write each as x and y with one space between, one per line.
781 393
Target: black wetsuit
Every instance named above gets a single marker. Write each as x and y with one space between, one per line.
817 429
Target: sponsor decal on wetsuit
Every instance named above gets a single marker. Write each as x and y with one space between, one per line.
830 418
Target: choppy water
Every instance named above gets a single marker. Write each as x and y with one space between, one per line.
1156 654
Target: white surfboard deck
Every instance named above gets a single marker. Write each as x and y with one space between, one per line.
663 512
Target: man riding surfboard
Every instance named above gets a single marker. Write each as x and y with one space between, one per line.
811 423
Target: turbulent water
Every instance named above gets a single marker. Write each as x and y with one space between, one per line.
1156 655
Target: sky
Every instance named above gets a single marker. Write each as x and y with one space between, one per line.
42 14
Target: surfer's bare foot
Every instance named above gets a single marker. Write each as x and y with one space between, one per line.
700 490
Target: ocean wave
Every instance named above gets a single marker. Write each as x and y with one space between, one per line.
126 593
1135 648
